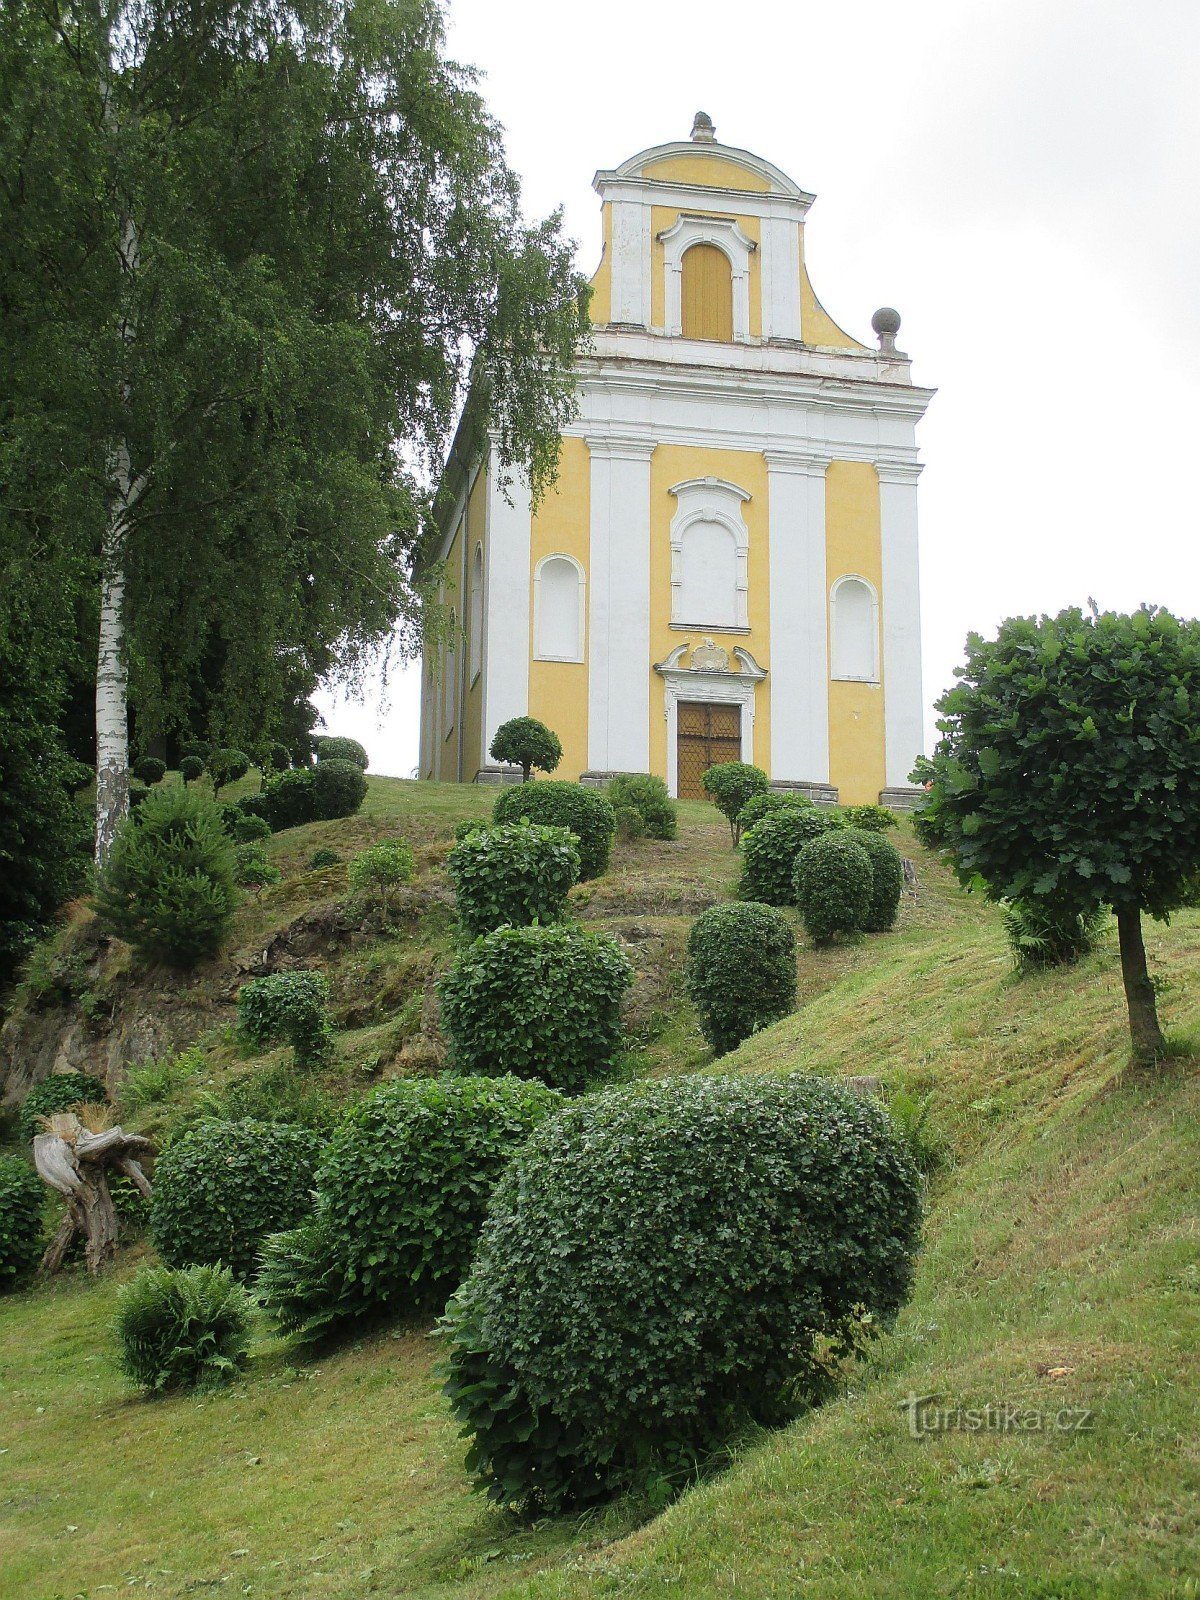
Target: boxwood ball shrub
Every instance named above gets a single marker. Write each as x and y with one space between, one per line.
526 743
648 796
586 812
541 1002
405 1182
22 1195
834 882
191 768
197 748
279 757
168 885
182 1329
731 784
288 1008
150 770
770 849
338 789
661 1266
887 878
761 805
870 819
330 748
61 1091
513 874
287 799
245 827
226 766
222 1187
741 971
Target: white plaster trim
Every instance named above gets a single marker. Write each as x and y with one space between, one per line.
723 232
854 677
559 555
711 500
722 688
506 606
799 614
618 640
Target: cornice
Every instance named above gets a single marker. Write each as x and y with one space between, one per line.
800 463
617 446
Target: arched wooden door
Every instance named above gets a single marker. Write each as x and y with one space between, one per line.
706 734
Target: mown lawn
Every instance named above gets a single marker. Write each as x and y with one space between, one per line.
1060 1274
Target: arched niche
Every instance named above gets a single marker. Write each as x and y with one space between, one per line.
558 601
854 647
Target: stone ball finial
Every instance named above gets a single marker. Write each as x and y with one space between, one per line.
703 128
886 323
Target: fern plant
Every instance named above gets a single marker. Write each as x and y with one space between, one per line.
182 1329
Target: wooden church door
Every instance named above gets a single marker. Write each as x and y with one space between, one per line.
706 734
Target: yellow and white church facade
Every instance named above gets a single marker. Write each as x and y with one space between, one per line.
727 567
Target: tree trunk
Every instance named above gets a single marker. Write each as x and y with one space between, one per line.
73 1160
1148 1042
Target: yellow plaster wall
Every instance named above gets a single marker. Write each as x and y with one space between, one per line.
664 217
473 706
447 753
671 464
713 171
852 545
558 690
600 308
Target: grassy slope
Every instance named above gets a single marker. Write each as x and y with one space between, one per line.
1065 1238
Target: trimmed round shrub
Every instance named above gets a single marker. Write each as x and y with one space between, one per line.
663 1265
198 749
887 878
287 799
631 825
245 827
254 869
168 886
279 757
191 768
585 812
526 743
870 819
150 770
538 1002
338 789
770 849
731 784
512 875
328 747
761 805
834 881
288 1008
227 766
61 1091
648 796
383 867
22 1197
404 1184
182 1330
222 1187
741 971
323 858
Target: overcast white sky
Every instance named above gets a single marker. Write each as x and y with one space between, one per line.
1018 177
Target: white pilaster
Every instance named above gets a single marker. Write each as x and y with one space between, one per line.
799 647
631 263
506 585
619 617
781 278
903 701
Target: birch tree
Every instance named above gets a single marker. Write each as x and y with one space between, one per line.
253 250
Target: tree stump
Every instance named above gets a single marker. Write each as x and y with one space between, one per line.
75 1160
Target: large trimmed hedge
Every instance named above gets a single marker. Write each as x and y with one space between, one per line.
741 971
887 878
834 882
585 812
514 874
665 1264
770 849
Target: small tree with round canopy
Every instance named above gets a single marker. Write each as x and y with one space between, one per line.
1068 771
526 743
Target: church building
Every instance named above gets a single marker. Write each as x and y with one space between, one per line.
727 567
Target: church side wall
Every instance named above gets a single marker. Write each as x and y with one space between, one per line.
472 719
558 690
446 693
852 544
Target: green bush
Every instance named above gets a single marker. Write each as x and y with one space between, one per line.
288 1008
631 825
137 793
151 1082
585 812
526 743
323 858
887 879
253 868
647 795
150 770
401 1194
731 784
279 757
330 748
191 768
1043 934
870 819
287 799
195 749
61 1091
761 805
834 882
22 1197
301 1281
245 827
338 789
274 1093
168 887
375 873
665 1264
770 849
538 1002
512 875
226 766
222 1187
182 1330
741 971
